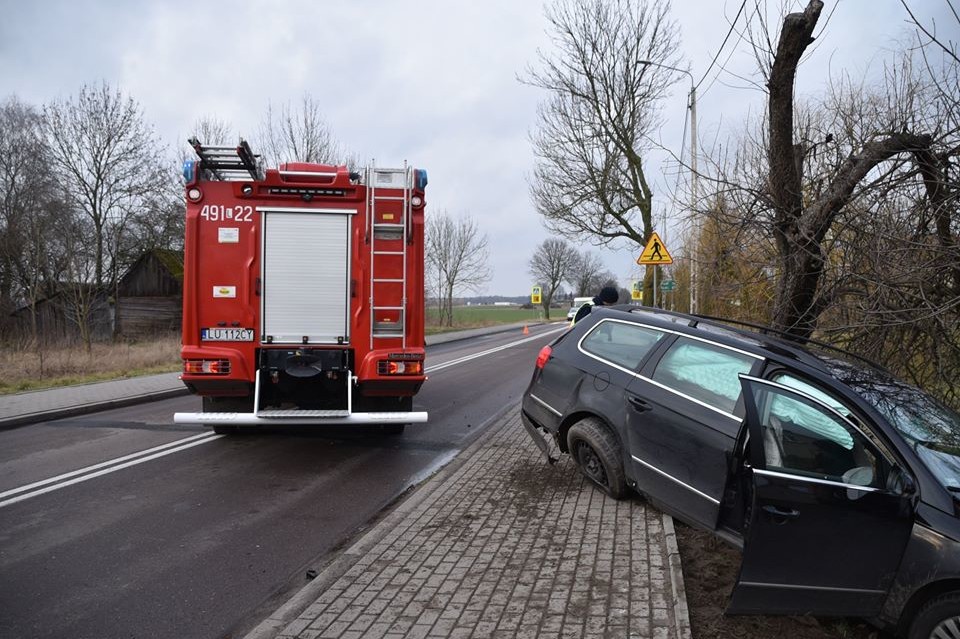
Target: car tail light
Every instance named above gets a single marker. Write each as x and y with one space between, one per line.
544 355
389 367
206 366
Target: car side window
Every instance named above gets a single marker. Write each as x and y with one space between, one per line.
803 437
831 430
704 371
622 343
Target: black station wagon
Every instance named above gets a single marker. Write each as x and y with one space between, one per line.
839 483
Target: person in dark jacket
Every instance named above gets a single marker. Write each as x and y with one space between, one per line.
608 296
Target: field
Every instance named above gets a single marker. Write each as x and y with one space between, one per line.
477 316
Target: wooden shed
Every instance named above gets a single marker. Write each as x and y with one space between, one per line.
150 295
58 316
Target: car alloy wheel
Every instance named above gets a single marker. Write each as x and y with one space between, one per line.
591 464
947 629
597 454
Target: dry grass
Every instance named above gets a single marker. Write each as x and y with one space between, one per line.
25 368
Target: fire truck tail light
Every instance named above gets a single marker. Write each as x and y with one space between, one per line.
194 194
387 367
543 356
206 366
416 201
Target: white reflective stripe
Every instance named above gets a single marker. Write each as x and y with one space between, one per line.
303 209
674 479
814 480
546 405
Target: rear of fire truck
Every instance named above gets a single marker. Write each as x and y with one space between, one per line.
302 292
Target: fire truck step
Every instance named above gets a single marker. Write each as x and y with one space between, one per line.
288 414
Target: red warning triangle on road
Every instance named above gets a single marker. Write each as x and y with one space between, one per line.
655 252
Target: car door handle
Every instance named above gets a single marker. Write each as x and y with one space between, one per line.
781 515
638 404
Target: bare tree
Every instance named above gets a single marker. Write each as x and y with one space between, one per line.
33 258
803 220
550 267
587 274
457 259
298 134
841 212
108 161
212 130
605 83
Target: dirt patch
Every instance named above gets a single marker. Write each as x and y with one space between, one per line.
709 571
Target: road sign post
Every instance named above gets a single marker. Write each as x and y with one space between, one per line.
654 254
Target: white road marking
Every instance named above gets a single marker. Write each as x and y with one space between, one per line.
489 351
197 440
27 491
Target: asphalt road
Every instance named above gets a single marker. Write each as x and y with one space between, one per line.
205 538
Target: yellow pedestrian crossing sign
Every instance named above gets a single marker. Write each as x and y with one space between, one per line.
654 252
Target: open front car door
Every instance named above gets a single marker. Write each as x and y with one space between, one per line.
824 534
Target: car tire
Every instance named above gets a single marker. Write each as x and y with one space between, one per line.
938 618
596 452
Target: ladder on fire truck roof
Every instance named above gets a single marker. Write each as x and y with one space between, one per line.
228 163
383 237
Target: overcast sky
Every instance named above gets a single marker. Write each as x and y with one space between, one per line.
432 82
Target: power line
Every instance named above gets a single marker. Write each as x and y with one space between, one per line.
723 44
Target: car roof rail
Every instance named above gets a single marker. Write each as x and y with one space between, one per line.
789 337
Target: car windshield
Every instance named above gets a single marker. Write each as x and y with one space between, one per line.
931 429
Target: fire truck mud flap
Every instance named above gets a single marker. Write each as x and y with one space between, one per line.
305 417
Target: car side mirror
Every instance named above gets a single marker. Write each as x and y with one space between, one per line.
901 483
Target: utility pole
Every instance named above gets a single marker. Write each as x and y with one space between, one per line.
694 257
695 250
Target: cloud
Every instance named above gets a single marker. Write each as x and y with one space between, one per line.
432 82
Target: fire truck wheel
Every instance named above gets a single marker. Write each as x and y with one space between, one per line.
227 405
392 429
223 429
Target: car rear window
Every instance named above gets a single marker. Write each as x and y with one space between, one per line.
622 343
704 371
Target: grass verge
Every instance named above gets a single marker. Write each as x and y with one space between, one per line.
23 369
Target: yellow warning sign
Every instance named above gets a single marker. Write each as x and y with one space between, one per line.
535 295
637 292
655 252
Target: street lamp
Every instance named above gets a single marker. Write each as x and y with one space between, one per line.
693 178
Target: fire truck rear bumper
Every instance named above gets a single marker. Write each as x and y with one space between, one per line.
300 417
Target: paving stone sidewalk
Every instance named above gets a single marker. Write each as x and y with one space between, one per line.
500 544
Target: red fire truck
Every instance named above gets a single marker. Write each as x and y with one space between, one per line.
302 292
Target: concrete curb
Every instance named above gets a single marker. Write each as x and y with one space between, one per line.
85 409
681 611
289 611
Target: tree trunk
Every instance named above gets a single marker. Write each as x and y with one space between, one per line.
799 231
